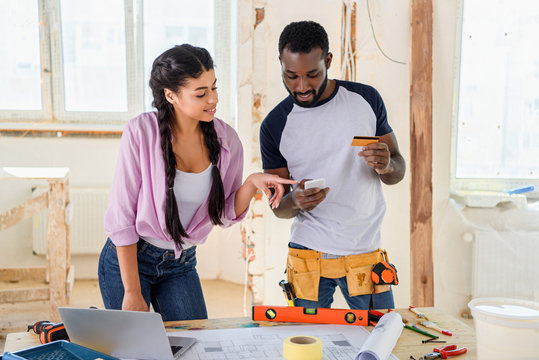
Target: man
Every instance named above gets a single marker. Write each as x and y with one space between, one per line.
335 236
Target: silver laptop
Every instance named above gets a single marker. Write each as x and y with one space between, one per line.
123 334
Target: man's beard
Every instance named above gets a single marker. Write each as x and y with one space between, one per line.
316 98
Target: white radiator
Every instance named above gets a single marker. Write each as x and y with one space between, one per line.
506 264
87 234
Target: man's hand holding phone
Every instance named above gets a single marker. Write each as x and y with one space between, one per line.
309 193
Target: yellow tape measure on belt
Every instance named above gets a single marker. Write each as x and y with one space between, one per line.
302 348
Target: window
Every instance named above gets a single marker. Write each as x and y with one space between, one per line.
496 115
80 62
20 74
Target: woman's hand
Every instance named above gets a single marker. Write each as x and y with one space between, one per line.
134 301
265 182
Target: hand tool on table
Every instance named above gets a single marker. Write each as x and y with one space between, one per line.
420 331
418 313
288 292
444 352
49 331
434 326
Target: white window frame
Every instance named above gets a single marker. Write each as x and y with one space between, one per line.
52 76
474 184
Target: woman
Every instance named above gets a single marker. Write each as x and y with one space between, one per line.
178 174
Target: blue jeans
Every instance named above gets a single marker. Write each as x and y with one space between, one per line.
326 289
171 285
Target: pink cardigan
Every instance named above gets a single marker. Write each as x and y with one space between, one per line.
137 200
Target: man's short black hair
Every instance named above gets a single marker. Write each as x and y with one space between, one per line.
303 36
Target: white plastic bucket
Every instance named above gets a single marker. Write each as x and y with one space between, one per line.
506 328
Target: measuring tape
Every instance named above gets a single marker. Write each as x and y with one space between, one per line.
311 315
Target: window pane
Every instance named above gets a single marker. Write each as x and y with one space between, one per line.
498 118
174 22
20 64
93 43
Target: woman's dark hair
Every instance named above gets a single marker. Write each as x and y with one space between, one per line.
171 70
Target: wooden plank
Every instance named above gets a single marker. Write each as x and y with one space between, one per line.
23 211
21 274
422 284
35 173
56 248
34 293
67 217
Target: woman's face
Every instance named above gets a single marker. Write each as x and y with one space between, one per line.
197 99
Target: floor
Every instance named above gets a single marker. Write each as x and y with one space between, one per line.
223 299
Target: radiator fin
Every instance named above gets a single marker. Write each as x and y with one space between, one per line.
87 233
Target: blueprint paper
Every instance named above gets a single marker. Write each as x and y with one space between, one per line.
340 342
383 338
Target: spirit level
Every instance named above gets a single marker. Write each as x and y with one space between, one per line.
311 315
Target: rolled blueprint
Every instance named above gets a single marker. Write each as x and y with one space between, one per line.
382 339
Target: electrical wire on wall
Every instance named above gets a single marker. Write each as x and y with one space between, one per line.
348 69
376 40
348 46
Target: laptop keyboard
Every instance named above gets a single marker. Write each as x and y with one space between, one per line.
175 349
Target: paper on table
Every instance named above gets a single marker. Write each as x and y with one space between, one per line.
383 338
340 341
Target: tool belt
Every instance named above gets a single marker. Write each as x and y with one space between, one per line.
305 267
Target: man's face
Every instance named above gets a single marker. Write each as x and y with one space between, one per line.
305 75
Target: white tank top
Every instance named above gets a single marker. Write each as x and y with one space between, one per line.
190 189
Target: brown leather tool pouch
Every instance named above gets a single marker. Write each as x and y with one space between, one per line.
304 268
303 271
358 273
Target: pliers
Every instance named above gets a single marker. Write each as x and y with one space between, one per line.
444 352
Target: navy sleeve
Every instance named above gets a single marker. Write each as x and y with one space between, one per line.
379 108
372 96
270 135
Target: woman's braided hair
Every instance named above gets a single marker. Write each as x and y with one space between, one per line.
171 70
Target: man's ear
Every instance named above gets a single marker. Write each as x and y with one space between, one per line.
328 60
170 95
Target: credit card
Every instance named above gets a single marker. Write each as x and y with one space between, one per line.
364 140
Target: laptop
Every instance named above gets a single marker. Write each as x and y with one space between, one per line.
123 334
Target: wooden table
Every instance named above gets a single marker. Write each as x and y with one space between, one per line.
409 343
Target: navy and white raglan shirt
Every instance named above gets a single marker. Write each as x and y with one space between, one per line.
316 143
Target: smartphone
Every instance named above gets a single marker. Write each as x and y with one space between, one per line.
316 183
364 140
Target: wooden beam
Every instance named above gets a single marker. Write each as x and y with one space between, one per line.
23 211
422 283
34 293
14 275
57 247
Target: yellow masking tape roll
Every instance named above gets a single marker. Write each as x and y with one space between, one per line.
302 348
